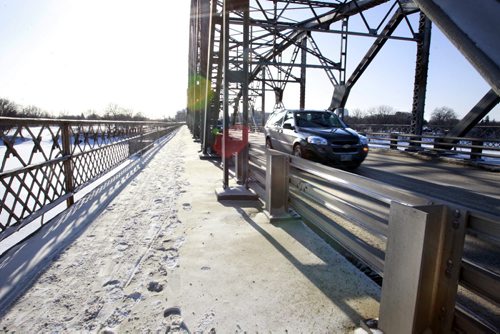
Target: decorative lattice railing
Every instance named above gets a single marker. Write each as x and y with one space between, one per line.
45 162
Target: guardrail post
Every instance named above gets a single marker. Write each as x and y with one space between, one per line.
421 270
393 141
476 152
277 169
68 163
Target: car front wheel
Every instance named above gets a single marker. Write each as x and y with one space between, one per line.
268 143
297 151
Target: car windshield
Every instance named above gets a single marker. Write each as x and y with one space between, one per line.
318 120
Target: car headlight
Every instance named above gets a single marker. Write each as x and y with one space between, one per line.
317 140
363 140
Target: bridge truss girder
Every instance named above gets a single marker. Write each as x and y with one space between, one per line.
473 28
273 33
282 47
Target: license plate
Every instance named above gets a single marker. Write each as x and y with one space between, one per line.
345 157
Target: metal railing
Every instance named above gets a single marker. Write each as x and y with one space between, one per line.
478 131
395 137
362 214
459 147
44 162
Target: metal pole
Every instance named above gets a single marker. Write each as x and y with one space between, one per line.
263 121
68 163
303 55
246 52
343 51
191 68
421 70
225 98
197 71
207 22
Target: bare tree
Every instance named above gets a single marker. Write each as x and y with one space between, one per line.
355 116
380 115
444 116
180 116
385 110
92 115
114 112
138 116
8 108
356 113
33 112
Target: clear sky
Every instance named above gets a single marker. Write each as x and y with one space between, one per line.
77 55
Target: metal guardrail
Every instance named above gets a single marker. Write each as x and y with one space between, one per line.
44 162
360 215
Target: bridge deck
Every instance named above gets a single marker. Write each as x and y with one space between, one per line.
150 239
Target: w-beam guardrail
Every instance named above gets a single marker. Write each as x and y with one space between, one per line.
44 162
427 251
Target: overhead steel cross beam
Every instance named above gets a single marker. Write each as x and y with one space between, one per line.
310 3
341 92
342 11
472 26
301 30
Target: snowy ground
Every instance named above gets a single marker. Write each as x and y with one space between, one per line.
153 251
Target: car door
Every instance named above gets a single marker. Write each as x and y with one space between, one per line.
287 135
274 129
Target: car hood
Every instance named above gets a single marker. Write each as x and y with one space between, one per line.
332 134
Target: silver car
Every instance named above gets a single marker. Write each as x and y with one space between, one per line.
316 134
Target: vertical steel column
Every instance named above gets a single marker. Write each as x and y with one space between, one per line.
421 70
191 67
220 68
225 97
303 63
263 94
343 51
197 69
243 155
206 46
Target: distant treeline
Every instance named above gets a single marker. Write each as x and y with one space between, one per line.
112 112
385 118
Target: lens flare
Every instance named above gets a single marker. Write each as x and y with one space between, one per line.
197 95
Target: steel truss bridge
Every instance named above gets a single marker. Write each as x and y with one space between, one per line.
244 52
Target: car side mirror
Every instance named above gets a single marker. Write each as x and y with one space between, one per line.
288 126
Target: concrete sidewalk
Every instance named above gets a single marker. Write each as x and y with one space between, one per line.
166 256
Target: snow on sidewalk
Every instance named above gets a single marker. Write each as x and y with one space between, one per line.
165 256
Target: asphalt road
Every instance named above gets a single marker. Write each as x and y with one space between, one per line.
472 187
